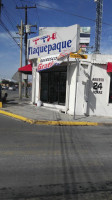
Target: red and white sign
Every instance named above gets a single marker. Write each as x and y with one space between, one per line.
48 62
56 42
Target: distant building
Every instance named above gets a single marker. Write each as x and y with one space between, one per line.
84 37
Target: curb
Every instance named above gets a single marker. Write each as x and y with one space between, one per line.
65 123
17 116
53 123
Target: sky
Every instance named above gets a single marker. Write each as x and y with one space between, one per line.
48 13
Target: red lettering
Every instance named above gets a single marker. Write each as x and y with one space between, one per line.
45 66
39 66
36 40
48 65
53 37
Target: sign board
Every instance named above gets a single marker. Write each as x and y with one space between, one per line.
53 43
47 62
81 56
85 30
84 40
98 85
85 35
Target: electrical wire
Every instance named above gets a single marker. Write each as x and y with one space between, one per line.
9 33
12 24
19 11
69 13
8 18
37 14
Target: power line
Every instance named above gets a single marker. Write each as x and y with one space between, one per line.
8 18
37 14
9 33
20 14
69 13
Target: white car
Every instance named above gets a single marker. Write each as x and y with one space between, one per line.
13 88
4 87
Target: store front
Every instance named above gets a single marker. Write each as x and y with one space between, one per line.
53 86
74 86
49 54
82 87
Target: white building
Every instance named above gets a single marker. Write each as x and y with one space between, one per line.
86 86
75 86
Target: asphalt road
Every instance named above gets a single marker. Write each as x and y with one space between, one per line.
15 94
54 163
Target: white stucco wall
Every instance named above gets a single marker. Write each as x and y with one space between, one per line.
83 88
33 84
99 102
88 72
72 85
38 84
91 101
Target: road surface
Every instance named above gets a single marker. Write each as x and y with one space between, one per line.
54 163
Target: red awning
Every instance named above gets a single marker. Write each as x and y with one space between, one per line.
109 67
27 69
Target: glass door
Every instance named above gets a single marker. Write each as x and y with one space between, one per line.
53 87
62 87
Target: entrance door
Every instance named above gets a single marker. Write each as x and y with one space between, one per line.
53 87
62 87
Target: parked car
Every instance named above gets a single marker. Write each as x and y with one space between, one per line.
4 88
13 88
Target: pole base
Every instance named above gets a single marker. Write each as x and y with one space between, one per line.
0 104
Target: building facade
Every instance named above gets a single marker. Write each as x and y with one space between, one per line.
76 87
72 85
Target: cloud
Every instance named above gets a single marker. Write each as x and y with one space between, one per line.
46 4
6 36
106 47
3 36
106 51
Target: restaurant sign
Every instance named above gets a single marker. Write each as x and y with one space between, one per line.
47 62
65 38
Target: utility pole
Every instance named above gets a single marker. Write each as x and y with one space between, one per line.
21 33
0 7
0 84
25 42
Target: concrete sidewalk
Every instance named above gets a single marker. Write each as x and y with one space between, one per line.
24 110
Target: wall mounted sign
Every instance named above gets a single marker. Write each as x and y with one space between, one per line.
98 85
48 62
80 56
65 38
